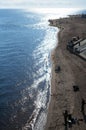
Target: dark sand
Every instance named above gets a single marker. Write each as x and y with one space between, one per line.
73 72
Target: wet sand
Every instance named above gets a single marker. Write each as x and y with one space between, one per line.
72 72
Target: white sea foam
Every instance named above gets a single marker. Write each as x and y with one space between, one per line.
42 56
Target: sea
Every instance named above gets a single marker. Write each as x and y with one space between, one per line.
26 43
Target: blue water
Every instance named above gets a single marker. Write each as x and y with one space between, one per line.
25 46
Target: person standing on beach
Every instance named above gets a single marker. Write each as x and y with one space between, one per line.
65 118
82 105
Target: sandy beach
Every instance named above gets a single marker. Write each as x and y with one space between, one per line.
72 72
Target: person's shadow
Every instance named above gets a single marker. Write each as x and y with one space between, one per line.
83 109
84 116
66 128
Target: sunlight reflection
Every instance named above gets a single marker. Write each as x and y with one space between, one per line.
54 12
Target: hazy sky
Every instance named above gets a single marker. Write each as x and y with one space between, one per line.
43 3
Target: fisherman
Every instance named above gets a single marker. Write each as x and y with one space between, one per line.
78 38
70 120
65 117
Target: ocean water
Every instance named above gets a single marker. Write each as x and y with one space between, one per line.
26 42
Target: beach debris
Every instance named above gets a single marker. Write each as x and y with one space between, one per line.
75 88
57 69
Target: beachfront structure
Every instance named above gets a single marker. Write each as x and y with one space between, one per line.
77 47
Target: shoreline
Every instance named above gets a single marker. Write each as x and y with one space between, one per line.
73 72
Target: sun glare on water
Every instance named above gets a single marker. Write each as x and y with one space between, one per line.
54 12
